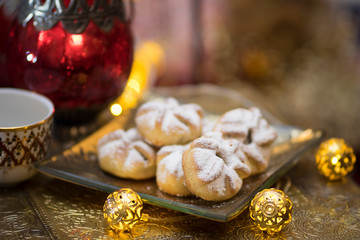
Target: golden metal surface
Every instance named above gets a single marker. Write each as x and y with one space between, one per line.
48 208
53 209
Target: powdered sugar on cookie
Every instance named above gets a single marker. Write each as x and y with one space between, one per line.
168 122
211 168
254 134
125 154
169 173
173 159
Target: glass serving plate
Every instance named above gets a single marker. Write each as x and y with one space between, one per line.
79 164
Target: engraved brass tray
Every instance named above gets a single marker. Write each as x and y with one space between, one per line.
79 164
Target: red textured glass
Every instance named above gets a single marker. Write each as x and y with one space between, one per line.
76 71
5 25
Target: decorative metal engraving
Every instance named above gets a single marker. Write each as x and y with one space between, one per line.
75 17
46 208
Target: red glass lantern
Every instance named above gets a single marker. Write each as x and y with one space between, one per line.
78 53
8 10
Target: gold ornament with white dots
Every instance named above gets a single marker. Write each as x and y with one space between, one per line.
271 210
123 209
335 159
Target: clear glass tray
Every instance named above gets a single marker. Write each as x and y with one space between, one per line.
79 164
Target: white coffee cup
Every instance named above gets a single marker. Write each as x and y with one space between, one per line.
26 120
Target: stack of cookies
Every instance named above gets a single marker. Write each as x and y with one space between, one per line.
170 143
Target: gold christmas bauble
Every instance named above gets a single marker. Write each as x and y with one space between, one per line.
123 209
271 210
335 159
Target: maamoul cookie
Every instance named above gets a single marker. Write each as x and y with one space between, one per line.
169 172
253 131
211 168
126 155
168 122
